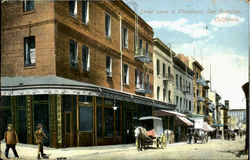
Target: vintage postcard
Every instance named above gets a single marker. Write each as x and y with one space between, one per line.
124 79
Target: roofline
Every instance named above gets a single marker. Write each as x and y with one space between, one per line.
142 20
178 60
158 42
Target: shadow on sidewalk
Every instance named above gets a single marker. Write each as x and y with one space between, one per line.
236 153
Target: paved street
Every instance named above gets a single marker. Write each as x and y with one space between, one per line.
215 149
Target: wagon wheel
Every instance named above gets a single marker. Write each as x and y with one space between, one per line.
163 141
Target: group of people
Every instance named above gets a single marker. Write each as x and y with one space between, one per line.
11 139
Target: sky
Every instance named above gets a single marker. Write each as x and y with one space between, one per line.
214 32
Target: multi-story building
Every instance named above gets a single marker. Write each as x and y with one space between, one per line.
163 72
239 114
217 123
82 69
201 102
183 93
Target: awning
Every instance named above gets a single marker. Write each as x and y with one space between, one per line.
207 127
54 85
184 120
217 125
162 113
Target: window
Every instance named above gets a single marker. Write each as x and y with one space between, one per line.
125 37
109 122
137 79
189 87
190 107
180 102
146 48
73 8
177 99
169 71
85 11
147 81
85 58
28 5
158 66
164 94
73 54
140 44
21 101
142 80
86 99
126 74
86 118
169 96
5 101
158 93
107 25
180 83
99 122
109 66
29 51
163 69
176 81
66 102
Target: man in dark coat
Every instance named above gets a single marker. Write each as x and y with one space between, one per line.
11 139
39 136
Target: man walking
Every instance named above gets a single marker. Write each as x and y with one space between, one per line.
11 140
39 136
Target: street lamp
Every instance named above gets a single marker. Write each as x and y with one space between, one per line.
114 107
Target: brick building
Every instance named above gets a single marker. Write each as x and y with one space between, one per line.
82 69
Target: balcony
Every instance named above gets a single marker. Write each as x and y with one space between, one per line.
143 55
200 99
185 90
203 83
144 88
168 77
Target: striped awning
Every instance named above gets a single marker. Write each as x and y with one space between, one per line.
185 121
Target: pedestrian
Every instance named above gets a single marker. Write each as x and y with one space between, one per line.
11 139
240 133
39 136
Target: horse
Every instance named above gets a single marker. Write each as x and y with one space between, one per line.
141 136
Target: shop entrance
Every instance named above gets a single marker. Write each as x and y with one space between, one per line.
68 131
41 116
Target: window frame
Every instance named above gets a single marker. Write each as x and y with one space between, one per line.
86 18
109 70
25 6
158 67
126 76
74 14
125 38
76 54
27 52
87 59
108 35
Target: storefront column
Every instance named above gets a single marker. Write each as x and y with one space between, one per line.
59 120
29 120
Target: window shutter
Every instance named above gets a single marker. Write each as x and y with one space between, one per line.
75 9
88 59
127 75
87 13
110 66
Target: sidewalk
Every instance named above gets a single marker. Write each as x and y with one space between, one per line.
28 151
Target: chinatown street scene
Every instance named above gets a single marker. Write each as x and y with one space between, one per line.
124 79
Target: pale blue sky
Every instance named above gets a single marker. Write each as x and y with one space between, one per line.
224 45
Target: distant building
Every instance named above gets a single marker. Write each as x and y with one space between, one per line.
239 114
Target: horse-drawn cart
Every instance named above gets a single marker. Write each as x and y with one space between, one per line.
150 133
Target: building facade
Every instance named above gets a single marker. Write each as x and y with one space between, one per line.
81 68
183 76
239 114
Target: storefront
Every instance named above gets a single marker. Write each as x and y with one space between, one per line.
72 113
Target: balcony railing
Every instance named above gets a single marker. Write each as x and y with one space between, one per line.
185 90
144 88
168 77
143 55
200 99
203 83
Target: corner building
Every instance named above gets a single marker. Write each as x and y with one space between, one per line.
81 68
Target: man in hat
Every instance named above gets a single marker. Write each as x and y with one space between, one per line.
11 140
39 136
